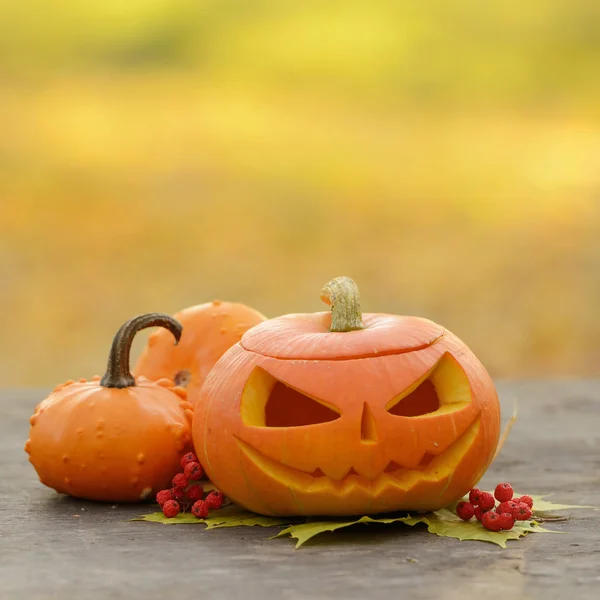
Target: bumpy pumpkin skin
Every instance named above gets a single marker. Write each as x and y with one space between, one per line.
208 331
378 455
107 444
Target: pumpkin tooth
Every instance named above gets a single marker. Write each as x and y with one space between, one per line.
426 460
338 472
437 469
392 467
318 473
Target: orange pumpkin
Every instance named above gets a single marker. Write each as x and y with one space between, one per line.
115 439
208 331
342 414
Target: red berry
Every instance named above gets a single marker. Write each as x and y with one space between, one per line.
507 521
503 492
200 509
523 512
478 513
506 507
512 507
195 492
170 508
492 520
177 493
163 496
180 481
465 510
188 458
526 500
474 496
193 471
486 501
215 500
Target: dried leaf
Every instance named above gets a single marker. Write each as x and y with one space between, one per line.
229 516
305 531
544 506
443 523
234 516
158 517
540 505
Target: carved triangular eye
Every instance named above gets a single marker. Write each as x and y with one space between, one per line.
287 407
446 387
267 402
421 401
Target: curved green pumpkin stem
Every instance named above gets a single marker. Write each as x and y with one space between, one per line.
343 296
117 372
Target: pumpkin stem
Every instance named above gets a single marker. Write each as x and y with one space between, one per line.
117 372
342 295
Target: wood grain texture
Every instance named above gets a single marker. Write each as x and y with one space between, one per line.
47 552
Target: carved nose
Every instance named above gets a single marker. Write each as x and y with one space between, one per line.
368 432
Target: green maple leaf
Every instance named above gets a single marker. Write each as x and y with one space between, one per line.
229 516
540 505
234 516
446 523
441 522
305 531
544 506
158 517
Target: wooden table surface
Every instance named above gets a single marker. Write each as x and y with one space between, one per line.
46 552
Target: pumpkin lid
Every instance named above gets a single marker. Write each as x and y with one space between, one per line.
342 334
308 337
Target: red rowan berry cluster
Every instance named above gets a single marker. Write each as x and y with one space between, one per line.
186 492
482 506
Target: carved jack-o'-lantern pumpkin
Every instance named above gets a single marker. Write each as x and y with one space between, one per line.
339 414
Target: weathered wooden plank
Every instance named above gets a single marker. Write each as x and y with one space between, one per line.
58 547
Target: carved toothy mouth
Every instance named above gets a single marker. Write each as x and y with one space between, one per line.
431 468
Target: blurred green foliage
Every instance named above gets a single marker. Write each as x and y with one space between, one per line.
157 153
434 52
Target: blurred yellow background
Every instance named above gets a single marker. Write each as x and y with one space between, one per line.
156 154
